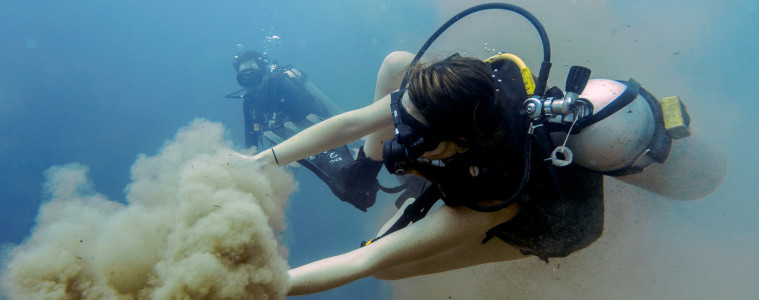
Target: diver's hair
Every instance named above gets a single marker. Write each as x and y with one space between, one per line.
456 96
250 55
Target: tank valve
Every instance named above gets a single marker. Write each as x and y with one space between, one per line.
533 107
569 105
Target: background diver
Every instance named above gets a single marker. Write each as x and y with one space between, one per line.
279 101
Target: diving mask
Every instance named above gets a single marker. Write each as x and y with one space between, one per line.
250 74
411 140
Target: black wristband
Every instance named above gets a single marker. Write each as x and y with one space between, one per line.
275 156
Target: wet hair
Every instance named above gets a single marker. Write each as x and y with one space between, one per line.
457 98
246 56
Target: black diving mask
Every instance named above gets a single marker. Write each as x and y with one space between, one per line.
250 78
250 74
411 140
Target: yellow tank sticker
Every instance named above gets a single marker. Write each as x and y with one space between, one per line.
674 114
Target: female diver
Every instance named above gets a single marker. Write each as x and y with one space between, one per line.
453 100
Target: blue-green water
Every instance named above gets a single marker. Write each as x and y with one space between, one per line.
98 83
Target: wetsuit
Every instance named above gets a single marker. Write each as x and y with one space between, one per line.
557 225
559 213
281 99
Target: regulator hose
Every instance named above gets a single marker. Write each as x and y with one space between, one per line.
545 66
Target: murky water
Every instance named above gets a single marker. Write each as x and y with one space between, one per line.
100 83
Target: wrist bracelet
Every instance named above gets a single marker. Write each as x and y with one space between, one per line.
275 156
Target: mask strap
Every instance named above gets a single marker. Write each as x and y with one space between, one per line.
402 118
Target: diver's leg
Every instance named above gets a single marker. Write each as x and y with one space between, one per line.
444 229
389 79
470 253
391 73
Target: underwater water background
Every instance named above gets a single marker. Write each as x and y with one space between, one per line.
99 83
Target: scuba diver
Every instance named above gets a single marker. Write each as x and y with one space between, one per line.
273 95
278 101
519 168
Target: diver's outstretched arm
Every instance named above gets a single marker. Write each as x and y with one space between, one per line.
333 132
374 120
444 229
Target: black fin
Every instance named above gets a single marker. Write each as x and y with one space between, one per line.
352 180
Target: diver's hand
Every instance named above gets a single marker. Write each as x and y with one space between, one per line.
265 157
239 159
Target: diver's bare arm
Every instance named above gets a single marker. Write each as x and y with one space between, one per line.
443 229
333 132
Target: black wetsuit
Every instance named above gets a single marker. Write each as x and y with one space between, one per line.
558 214
282 98
550 225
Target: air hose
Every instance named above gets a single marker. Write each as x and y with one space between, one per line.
545 66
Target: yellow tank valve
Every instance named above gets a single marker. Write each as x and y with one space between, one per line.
676 118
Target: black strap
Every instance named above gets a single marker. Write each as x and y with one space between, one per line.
660 144
392 190
414 212
546 146
627 97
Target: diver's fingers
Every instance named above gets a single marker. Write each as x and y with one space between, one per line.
239 159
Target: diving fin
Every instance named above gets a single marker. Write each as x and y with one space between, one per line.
357 181
353 181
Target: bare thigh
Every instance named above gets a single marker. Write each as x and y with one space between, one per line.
391 73
389 79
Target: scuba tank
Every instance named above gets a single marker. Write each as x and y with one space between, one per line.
623 141
613 127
